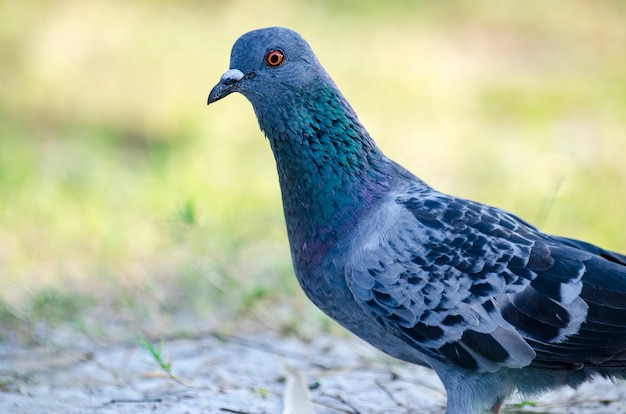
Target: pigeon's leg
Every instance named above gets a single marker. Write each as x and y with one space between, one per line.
474 394
496 408
461 402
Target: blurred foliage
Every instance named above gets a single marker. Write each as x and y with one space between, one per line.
117 183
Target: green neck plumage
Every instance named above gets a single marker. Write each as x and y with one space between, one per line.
329 168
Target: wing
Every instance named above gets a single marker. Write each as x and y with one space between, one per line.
614 257
601 339
476 286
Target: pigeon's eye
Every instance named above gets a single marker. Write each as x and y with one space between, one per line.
275 58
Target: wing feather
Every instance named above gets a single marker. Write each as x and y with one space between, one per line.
480 288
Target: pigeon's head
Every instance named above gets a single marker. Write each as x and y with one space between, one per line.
267 64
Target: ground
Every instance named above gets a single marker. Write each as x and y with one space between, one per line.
213 373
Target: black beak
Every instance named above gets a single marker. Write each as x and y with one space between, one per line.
227 85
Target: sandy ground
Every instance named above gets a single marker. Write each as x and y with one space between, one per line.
244 374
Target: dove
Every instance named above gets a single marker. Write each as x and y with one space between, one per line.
492 304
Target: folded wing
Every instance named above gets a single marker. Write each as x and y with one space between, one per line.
479 288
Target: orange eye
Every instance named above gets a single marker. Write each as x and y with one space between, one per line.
275 58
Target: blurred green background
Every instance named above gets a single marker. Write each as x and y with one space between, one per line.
126 204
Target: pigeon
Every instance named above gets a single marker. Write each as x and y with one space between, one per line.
492 304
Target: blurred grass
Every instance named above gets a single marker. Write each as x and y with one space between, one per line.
122 195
